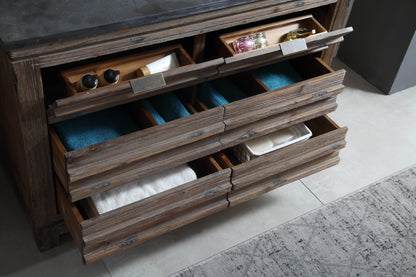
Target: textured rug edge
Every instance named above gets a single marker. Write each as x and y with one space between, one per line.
375 183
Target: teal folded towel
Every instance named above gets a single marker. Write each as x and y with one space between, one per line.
169 106
94 128
156 116
277 75
210 96
229 90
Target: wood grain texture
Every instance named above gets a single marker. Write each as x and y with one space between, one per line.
70 214
322 143
276 122
338 15
268 55
254 108
275 33
157 212
119 176
194 194
75 50
30 117
263 186
122 151
127 65
26 131
122 243
122 93
12 134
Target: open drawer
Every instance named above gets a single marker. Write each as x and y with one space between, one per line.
315 81
100 235
111 163
227 63
301 82
114 162
277 48
131 86
279 167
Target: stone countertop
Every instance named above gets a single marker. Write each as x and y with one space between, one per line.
25 23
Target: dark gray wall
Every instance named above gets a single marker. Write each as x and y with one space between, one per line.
382 36
406 75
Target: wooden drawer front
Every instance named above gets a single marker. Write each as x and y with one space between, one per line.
327 83
327 138
110 96
276 122
102 235
255 189
278 49
114 162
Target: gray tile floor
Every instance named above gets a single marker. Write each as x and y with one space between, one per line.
381 141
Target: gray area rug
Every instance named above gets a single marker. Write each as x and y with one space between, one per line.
371 232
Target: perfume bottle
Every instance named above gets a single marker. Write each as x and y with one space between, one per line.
260 40
87 82
244 44
299 33
109 77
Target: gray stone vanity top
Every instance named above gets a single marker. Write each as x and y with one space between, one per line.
25 23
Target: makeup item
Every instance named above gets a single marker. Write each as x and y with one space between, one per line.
163 64
109 77
87 82
299 33
244 44
260 40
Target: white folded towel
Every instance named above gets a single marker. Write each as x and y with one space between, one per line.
142 188
282 136
260 145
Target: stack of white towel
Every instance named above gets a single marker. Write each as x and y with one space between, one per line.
142 188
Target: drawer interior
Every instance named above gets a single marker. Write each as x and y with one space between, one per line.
150 136
274 32
327 137
127 65
142 114
250 83
77 157
99 235
201 168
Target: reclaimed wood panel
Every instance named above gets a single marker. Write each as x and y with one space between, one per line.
127 65
257 107
276 122
132 218
70 214
263 186
273 164
122 93
337 15
119 176
324 141
31 161
274 53
122 243
74 50
119 153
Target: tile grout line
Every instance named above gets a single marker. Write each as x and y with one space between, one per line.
106 268
323 204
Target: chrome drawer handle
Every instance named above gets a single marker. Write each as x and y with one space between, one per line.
294 46
148 83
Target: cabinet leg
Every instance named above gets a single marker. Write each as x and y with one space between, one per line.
49 236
